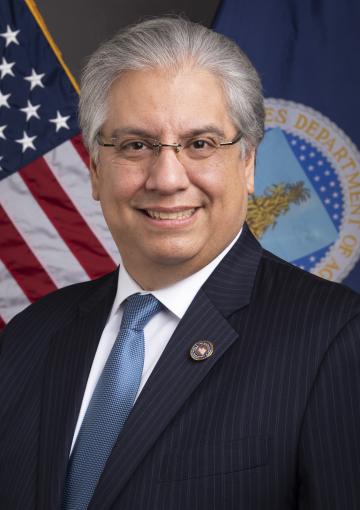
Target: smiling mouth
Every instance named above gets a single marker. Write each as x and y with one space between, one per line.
169 215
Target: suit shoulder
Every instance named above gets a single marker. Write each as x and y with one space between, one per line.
292 286
60 306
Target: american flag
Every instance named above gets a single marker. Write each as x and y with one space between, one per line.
52 233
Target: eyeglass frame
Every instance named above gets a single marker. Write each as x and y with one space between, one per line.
157 146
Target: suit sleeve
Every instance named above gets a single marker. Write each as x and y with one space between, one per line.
329 454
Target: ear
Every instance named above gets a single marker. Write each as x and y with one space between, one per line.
94 175
250 170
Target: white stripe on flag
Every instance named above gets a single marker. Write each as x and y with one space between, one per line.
73 176
12 298
39 233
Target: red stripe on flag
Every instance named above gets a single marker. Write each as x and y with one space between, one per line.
21 261
66 219
2 323
78 144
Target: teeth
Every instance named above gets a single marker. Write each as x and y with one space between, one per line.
178 215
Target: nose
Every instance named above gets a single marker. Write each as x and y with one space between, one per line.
166 174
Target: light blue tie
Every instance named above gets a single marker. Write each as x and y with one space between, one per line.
110 404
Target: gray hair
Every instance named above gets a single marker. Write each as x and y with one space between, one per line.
172 43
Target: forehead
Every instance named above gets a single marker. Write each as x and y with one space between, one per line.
167 101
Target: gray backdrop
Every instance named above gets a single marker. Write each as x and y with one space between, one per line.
78 26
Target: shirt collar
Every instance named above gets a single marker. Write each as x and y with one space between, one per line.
177 297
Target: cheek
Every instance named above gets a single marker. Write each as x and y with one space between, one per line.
118 186
210 181
224 188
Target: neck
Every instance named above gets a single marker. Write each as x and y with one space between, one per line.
158 276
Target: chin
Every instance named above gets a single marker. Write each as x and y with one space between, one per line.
172 258
173 252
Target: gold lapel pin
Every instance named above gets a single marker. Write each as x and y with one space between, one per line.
202 350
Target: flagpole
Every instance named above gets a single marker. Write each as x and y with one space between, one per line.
40 21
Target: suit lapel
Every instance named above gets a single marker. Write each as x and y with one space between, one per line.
176 375
69 361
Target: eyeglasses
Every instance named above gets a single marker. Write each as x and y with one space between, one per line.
137 150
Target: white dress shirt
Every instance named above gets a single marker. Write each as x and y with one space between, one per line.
158 331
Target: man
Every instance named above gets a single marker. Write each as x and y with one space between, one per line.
247 396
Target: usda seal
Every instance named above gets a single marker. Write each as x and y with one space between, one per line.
306 205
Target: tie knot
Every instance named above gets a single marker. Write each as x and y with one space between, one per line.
138 310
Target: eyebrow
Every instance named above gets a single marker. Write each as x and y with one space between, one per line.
209 129
131 131
190 133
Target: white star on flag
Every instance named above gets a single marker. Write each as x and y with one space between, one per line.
31 110
26 142
10 36
4 100
61 122
6 68
2 128
35 79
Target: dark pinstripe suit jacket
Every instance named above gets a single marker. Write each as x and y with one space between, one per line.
271 421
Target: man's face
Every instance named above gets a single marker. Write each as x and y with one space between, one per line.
202 204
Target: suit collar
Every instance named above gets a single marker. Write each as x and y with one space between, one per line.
230 286
103 289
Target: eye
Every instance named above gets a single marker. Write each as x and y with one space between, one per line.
135 145
133 150
201 144
199 148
